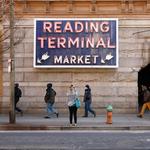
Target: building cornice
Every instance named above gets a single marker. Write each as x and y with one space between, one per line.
106 8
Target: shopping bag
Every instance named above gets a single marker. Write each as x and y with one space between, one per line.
77 103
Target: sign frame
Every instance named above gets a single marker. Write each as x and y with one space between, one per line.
76 66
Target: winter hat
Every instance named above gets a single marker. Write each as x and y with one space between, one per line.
16 84
87 86
49 85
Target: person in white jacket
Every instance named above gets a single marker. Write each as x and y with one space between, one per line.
72 95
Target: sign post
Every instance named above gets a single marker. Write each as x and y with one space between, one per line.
12 115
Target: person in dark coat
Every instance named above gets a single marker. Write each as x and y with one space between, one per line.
18 94
88 100
50 100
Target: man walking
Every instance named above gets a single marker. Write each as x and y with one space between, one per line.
88 100
18 94
50 100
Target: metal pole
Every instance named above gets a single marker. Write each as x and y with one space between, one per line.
12 116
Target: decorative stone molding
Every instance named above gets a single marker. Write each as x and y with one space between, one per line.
131 6
70 6
82 7
93 6
148 5
48 6
25 6
123 6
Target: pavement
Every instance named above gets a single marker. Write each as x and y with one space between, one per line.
38 122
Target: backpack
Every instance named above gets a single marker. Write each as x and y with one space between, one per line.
18 92
46 97
50 96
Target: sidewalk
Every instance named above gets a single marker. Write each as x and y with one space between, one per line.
38 122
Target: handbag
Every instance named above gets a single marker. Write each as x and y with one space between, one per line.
77 103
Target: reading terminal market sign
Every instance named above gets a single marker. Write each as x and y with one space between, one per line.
76 43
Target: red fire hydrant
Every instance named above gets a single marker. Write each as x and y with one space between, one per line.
109 114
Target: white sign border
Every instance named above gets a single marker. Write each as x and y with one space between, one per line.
76 66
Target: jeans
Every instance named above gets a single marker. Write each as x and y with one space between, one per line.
88 108
73 112
17 108
145 105
50 109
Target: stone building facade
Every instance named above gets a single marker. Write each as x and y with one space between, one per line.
109 86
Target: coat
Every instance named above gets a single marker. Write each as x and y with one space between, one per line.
87 95
50 96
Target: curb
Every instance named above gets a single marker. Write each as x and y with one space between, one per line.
61 128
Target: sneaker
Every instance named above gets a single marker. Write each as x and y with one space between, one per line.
46 117
70 125
140 116
21 113
84 116
94 115
75 124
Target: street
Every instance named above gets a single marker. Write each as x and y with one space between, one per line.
75 140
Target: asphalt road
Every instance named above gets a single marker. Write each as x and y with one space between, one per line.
75 140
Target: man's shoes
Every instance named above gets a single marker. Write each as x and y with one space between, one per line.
140 116
46 117
21 113
57 115
94 114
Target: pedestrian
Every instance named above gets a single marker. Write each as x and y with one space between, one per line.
50 100
72 95
146 94
18 94
87 101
